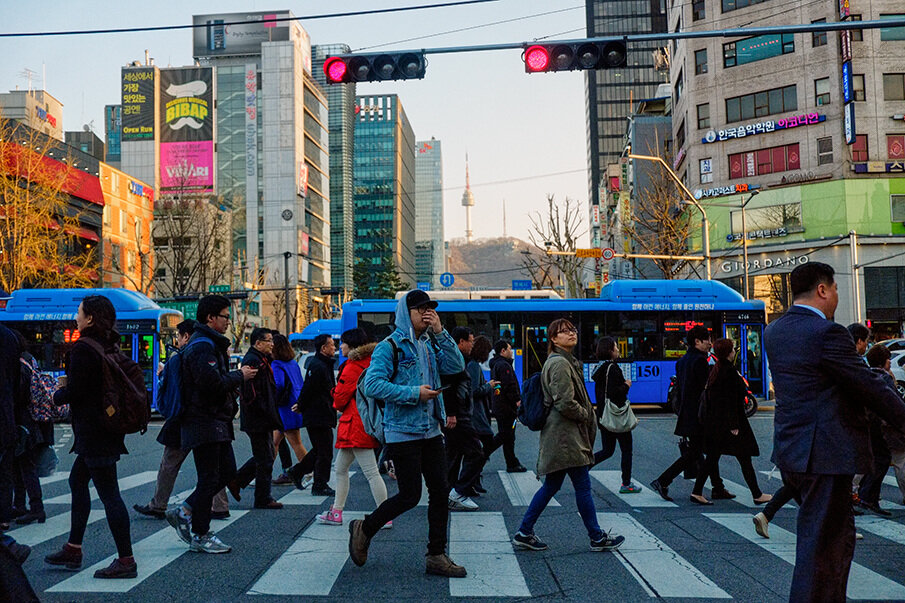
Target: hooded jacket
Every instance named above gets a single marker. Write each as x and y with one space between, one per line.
505 403
420 362
258 400
351 432
316 398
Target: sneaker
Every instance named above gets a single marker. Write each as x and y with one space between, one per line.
528 541
181 524
149 511
118 569
307 481
721 494
859 536
442 565
358 542
209 543
629 489
282 480
220 514
68 557
19 551
516 469
32 517
332 517
760 524
661 489
323 491
458 502
607 543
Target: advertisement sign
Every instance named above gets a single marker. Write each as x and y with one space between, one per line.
762 127
138 103
304 243
225 34
847 94
187 167
845 10
186 104
303 180
720 191
845 37
849 123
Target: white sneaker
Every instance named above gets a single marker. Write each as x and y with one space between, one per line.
457 502
209 544
859 536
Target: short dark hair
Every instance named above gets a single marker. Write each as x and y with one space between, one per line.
877 355
858 332
696 333
102 313
805 278
186 327
282 349
605 348
259 333
210 305
462 334
319 342
500 346
354 338
481 350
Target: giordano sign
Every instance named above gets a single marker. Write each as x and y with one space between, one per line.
763 263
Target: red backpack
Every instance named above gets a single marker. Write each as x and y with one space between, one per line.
126 406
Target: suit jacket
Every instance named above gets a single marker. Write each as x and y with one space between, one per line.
823 389
692 371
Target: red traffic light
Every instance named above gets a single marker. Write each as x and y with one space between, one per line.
374 67
572 56
335 69
536 59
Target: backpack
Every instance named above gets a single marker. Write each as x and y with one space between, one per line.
40 402
169 391
534 410
371 409
673 400
125 407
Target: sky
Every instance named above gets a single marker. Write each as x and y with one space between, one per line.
525 135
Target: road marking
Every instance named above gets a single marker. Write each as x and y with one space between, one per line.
884 528
320 552
742 494
521 488
151 553
862 582
658 568
612 481
125 483
480 542
36 533
58 476
304 497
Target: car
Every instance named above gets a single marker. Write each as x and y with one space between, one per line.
894 345
897 366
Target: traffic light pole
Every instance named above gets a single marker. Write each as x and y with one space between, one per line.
286 256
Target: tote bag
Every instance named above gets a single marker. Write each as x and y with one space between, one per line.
615 419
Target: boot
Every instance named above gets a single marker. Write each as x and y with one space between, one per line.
442 565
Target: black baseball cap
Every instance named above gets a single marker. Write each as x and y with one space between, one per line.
418 298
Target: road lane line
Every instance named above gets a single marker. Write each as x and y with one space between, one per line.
125 483
654 564
863 583
311 565
612 481
151 554
480 542
521 487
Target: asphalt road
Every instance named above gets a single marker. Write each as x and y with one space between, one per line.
680 552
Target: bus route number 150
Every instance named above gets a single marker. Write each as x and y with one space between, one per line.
647 371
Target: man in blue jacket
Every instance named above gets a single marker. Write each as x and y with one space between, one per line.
821 429
413 415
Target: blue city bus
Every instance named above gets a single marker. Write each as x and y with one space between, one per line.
46 318
303 343
648 320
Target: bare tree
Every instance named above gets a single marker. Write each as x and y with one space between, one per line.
559 230
145 281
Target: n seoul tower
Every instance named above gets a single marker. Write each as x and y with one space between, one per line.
467 203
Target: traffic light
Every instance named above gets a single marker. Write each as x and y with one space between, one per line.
569 57
374 67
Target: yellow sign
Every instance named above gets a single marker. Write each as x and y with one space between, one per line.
588 253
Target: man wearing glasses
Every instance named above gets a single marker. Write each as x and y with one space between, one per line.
209 405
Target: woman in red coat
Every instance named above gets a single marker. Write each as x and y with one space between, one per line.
352 442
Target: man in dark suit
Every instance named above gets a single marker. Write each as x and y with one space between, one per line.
821 429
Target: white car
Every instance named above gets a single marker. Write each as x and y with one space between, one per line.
897 365
894 345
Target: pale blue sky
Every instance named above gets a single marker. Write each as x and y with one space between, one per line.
512 124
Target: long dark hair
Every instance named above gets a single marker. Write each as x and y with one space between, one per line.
282 349
722 349
103 317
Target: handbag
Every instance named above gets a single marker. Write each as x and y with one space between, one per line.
613 418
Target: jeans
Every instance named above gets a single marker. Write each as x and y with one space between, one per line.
465 455
259 467
368 463
412 461
608 441
107 486
216 465
170 463
581 481
318 458
695 450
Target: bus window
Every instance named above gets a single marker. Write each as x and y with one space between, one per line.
535 352
146 358
377 325
125 345
636 334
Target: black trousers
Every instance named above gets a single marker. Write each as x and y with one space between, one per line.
826 536
465 455
107 486
285 455
26 481
505 437
412 461
780 498
319 457
216 465
872 482
259 467
608 440
691 458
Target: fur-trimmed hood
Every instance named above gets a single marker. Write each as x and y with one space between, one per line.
362 351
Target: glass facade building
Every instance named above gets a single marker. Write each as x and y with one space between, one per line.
429 211
113 126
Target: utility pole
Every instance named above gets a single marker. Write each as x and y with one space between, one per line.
856 285
286 256
745 242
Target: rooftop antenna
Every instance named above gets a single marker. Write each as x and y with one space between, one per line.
504 218
29 75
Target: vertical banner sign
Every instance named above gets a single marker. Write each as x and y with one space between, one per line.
849 123
138 104
251 160
187 130
847 94
303 180
845 10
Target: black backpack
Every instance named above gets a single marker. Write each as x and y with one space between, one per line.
126 407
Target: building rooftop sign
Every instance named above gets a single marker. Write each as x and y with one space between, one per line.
763 127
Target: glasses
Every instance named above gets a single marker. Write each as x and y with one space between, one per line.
568 330
423 309
226 316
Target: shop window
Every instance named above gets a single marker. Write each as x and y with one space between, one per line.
822 91
894 86
859 148
757 48
857 34
703 116
818 38
761 104
764 161
858 87
700 61
897 208
892 34
895 146
769 219
825 150
698 11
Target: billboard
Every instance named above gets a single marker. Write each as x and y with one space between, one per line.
187 130
138 103
214 36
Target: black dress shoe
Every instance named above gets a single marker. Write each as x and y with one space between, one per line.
219 514
479 488
147 511
700 501
875 508
471 492
660 489
722 494
323 491
31 517
516 469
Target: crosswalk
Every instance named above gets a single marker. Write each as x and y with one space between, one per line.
658 561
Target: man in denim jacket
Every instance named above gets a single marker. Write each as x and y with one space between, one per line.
413 414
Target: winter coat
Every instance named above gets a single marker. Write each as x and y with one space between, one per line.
567 438
613 381
286 373
692 371
351 432
316 398
421 361
209 394
84 392
171 432
895 438
257 402
457 400
725 411
481 392
9 386
505 403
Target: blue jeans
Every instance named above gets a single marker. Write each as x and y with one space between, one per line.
581 481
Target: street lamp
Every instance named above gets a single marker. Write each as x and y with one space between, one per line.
745 240
705 227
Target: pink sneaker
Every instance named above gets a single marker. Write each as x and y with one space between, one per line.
333 517
387 526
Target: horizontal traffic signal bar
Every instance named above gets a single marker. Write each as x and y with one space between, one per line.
541 58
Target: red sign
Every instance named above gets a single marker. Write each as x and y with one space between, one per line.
304 243
303 180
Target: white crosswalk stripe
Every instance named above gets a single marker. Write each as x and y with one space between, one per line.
863 583
521 487
58 476
480 542
304 497
742 494
125 483
151 554
660 570
312 564
612 481
57 525
884 528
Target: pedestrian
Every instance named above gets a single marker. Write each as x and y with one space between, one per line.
352 442
566 441
692 372
820 429
206 425
610 382
726 428
174 454
288 378
879 359
481 393
258 418
421 350
316 405
98 450
506 401
9 393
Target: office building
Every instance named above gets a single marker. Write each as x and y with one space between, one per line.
127 246
37 109
87 142
113 130
429 211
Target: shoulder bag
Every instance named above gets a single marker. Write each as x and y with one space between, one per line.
613 418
